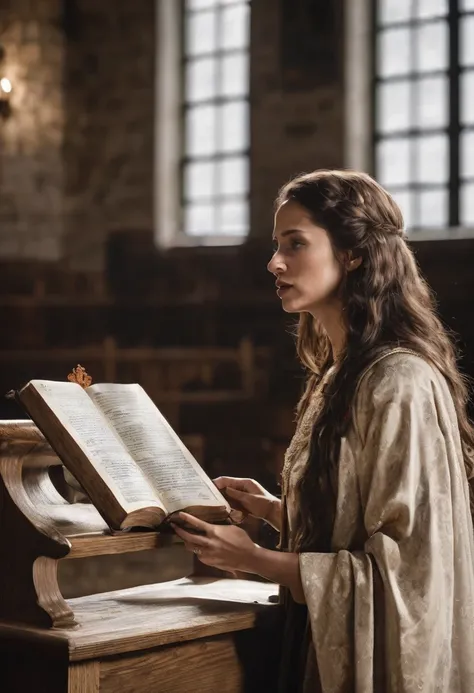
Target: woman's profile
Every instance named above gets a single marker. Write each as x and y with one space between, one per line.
376 558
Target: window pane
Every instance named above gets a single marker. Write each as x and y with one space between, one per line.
394 11
467 98
234 29
467 154
199 220
433 98
467 204
431 8
393 162
393 52
233 127
200 130
233 218
432 165
200 4
404 199
201 30
466 5
201 78
199 180
432 208
232 175
235 75
467 40
431 46
393 106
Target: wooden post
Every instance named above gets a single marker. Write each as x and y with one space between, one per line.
247 364
110 360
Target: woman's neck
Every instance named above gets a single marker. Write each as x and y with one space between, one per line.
332 320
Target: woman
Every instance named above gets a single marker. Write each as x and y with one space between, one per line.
376 531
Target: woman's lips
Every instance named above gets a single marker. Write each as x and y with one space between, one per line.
282 289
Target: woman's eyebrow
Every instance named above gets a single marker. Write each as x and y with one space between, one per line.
287 232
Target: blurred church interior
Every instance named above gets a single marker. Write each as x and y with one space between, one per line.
141 147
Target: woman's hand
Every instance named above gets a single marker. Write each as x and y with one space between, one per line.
230 548
222 546
248 496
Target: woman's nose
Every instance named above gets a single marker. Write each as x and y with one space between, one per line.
276 264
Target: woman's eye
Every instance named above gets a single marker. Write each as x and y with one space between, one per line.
296 244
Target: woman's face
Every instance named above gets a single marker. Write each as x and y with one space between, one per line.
308 273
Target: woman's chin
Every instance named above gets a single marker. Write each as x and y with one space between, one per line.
291 306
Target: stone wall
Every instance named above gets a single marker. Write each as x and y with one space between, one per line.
31 162
78 149
108 138
296 95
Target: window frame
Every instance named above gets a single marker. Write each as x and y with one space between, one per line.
170 154
453 128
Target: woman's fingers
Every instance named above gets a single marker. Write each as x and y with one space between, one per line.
238 516
241 484
194 541
236 493
195 522
189 537
239 500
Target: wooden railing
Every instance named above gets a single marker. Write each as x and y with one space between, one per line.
174 375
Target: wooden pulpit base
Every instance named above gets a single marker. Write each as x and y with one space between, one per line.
194 635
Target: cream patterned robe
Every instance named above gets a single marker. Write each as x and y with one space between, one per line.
402 520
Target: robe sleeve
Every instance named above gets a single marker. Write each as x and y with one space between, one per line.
405 448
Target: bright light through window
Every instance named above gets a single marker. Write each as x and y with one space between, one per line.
215 160
424 109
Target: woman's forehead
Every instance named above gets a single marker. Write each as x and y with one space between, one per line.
290 212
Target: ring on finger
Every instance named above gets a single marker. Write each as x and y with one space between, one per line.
197 551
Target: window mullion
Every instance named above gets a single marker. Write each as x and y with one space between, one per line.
454 113
414 108
218 133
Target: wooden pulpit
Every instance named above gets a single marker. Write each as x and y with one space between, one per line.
197 634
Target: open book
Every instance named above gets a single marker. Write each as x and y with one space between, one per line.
123 452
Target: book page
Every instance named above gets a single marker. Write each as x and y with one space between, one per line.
165 461
91 431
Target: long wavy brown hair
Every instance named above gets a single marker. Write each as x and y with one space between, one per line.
387 304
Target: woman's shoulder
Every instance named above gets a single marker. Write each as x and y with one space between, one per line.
399 376
400 390
397 368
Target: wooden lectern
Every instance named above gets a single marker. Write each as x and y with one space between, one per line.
197 634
